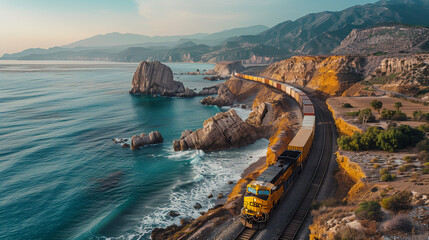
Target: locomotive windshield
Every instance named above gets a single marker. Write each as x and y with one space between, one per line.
263 192
251 190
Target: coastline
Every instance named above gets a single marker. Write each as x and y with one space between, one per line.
286 119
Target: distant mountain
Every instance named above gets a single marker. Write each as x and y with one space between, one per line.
107 44
320 33
116 39
313 34
385 39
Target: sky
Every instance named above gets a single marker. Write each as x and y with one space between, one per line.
48 23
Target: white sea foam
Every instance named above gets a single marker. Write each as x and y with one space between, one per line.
212 173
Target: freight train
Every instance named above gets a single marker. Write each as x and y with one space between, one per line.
265 192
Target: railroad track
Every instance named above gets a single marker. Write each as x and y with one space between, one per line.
296 221
246 234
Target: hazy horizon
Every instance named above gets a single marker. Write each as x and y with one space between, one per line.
45 23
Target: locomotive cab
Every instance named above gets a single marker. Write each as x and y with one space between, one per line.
257 201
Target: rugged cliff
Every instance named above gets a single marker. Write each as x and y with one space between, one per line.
385 39
225 69
224 130
331 75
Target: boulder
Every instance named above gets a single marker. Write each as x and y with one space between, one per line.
209 90
226 68
173 213
225 98
224 130
156 78
198 206
143 139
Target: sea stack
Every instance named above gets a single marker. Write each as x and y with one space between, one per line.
155 78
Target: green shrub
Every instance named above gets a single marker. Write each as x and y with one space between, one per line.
347 105
377 139
423 145
368 210
376 165
376 105
387 177
384 171
393 115
398 202
424 128
425 170
352 114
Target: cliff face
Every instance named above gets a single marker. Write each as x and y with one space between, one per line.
331 75
225 69
157 78
386 39
406 75
224 130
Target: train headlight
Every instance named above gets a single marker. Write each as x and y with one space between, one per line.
254 199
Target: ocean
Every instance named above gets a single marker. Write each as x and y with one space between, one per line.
61 175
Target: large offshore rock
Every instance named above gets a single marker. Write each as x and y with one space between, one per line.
224 130
157 78
226 68
143 139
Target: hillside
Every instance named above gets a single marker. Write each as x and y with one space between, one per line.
385 39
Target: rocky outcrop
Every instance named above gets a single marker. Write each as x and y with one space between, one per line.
224 130
224 98
385 39
157 78
226 68
259 60
141 140
406 75
331 75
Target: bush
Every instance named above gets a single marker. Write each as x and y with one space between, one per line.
374 160
347 105
424 128
387 177
376 165
376 105
384 171
398 223
352 114
425 170
398 202
393 115
368 210
348 233
377 139
423 145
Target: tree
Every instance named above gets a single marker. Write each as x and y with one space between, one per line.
418 114
376 105
398 105
365 116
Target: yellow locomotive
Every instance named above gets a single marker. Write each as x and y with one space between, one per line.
263 193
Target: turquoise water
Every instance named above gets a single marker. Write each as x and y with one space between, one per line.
62 177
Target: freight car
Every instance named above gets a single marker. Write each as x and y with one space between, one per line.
264 193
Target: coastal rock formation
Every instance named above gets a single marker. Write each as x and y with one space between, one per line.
385 39
331 75
143 139
157 78
226 68
224 130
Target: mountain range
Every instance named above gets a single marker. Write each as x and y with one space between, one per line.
316 33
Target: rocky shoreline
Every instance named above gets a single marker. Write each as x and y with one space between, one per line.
271 114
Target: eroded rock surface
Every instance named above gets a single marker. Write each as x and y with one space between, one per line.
226 68
224 130
156 78
141 140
